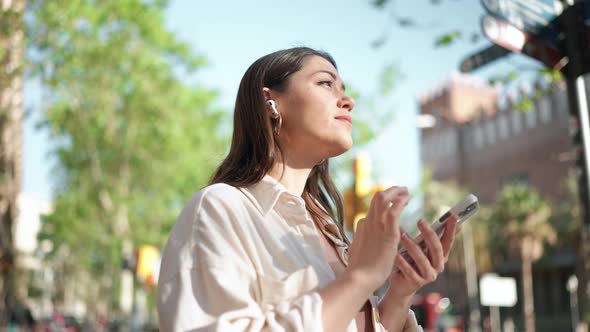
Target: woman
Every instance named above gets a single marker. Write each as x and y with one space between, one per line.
262 247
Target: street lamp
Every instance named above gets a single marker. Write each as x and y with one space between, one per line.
572 287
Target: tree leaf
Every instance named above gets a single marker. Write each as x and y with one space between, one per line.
390 77
447 39
525 104
380 3
406 22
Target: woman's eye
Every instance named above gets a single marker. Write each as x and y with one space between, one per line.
327 83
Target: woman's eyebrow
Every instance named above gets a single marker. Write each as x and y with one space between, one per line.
333 76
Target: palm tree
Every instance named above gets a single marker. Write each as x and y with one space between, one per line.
522 217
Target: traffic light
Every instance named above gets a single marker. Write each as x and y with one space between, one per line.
352 214
362 175
358 199
148 261
349 209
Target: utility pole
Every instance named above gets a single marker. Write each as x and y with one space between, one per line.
471 278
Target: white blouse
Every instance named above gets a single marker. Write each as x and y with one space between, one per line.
248 259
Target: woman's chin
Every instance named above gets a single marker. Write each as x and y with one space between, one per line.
340 149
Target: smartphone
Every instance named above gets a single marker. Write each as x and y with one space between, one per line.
465 209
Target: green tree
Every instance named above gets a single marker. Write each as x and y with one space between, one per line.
12 46
133 141
521 217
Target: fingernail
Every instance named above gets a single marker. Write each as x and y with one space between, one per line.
404 235
421 223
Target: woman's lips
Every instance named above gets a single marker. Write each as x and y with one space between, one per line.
345 118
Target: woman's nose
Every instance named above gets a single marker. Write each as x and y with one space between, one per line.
346 102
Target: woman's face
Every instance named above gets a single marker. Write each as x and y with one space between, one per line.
317 123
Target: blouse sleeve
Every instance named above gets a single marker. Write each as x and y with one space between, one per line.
208 282
410 325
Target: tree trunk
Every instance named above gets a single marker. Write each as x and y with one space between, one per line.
527 288
11 116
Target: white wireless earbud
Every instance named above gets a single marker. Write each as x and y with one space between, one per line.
273 105
275 115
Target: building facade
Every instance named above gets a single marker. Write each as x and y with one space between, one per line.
481 146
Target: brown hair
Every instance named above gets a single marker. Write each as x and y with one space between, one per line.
255 144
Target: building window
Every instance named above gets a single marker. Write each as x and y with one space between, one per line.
479 139
453 140
427 147
503 126
424 148
435 146
445 144
491 131
444 149
531 118
519 178
516 121
545 109
560 100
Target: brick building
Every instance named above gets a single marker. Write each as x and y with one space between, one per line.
481 146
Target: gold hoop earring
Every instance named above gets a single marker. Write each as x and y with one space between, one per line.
278 126
275 115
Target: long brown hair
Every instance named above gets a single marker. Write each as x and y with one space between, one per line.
255 144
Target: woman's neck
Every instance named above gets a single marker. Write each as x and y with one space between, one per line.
292 178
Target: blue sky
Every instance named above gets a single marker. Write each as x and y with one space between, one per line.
233 34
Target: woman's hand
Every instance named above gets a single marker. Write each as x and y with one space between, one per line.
426 266
374 248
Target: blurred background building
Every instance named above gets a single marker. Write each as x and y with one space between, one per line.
480 146
35 292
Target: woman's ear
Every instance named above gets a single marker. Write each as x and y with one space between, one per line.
266 93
